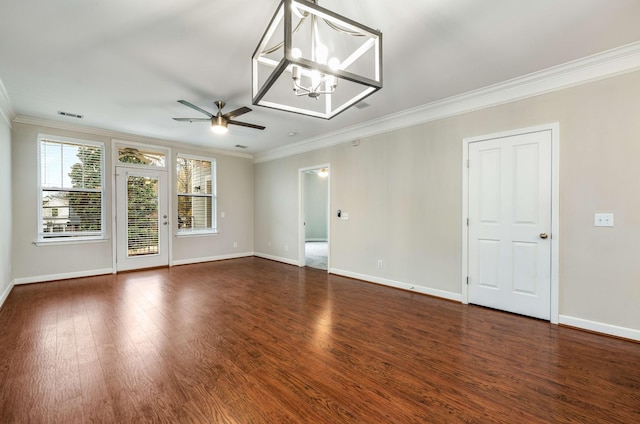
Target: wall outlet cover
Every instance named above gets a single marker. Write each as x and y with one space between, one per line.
603 220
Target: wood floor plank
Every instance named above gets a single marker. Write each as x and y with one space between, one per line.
255 341
96 399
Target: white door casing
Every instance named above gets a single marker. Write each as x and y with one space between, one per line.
147 251
511 258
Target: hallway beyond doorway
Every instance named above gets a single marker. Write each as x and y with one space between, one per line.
316 253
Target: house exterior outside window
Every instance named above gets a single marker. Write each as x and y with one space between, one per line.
196 188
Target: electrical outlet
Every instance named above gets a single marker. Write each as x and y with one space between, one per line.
603 220
286 247
235 244
268 244
379 263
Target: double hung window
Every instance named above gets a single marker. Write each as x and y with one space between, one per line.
71 194
196 188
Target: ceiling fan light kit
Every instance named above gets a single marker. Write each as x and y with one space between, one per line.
219 125
219 121
315 62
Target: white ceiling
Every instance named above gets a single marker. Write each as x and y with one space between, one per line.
124 63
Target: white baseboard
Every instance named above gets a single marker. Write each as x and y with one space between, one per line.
599 327
316 239
64 276
5 294
277 258
211 258
400 285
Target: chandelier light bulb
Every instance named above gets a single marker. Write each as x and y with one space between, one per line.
295 72
316 79
334 63
296 53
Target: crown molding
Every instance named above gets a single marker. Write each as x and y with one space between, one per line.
6 110
610 63
121 136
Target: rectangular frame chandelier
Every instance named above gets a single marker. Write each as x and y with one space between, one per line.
315 62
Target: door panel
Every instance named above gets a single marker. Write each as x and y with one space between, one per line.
525 260
141 218
489 263
509 209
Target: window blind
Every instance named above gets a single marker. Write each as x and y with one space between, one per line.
71 189
142 216
195 179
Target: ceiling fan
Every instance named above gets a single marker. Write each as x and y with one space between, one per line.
219 121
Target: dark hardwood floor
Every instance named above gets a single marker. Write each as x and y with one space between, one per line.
254 341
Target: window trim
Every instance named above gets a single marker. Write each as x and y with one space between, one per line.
68 238
214 197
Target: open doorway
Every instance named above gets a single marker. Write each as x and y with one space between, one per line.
314 184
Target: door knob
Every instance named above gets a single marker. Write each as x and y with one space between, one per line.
165 223
543 235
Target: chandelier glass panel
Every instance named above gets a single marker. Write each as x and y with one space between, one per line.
315 62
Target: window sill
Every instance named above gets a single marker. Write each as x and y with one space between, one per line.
200 233
59 242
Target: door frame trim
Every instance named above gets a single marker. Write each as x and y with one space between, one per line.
301 229
555 207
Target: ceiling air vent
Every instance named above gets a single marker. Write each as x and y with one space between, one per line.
71 115
240 146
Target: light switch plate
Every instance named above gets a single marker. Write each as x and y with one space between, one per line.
603 220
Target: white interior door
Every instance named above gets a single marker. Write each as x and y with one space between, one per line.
142 224
510 223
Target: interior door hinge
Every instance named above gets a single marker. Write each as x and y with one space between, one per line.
467 281
467 222
468 163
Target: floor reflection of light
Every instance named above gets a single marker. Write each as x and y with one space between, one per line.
324 321
140 325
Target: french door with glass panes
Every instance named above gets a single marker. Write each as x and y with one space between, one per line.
142 223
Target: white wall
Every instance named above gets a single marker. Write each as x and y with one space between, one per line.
402 191
5 209
41 263
276 205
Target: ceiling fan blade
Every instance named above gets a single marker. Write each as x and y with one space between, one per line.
244 124
237 112
193 119
192 106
